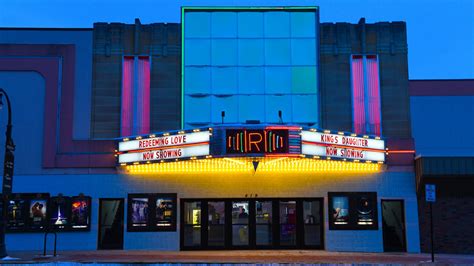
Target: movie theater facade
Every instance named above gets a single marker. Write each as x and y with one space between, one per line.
239 128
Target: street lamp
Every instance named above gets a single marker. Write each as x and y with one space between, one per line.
7 171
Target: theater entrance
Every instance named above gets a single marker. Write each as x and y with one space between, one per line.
252 223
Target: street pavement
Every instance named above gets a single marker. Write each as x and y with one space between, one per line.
237 257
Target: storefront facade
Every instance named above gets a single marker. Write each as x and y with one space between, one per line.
240 128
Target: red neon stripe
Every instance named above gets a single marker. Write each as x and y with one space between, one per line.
401 151
127 97
237 144
273 142
282 127
374 95
358 95
143 96
265 134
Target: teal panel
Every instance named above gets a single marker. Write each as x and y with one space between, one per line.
303 79
303 24
197 109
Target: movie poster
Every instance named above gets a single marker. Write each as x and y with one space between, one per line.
80 213
16 214
59 213
139 212
164 212
340 210
365 210
38 208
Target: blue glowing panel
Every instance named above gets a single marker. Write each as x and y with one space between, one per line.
303 52
199 25
251 108
224 52
250 63
198 110
197 80
224 80
251 80
197 52
250 25
228 104
277 24
305 109
278 80
223 24
277 52
251 52
275 103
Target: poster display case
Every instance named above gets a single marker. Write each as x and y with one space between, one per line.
151 212
352 210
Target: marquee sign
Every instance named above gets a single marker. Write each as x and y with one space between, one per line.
167 147
256 141
342 146
253 141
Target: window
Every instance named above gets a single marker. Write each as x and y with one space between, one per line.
135 95
151 212
366 94
352 210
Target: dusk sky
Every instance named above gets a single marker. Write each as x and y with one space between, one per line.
440 32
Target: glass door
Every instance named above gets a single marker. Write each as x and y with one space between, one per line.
263 223
393 226
216 224
312 223
191 228
287 211
111 221
240 223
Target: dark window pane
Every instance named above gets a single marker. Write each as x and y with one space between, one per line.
264 235
263 212
216 235
192 235
240 212
240 235
288 234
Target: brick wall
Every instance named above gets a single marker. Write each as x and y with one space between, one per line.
453 216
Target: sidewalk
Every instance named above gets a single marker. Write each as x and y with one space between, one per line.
250 256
